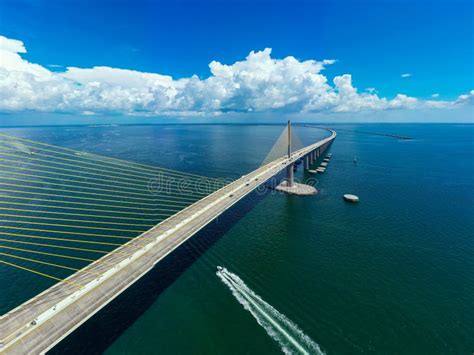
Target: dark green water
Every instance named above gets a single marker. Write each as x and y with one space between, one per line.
390 275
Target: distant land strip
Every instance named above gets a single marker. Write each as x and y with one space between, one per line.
371 133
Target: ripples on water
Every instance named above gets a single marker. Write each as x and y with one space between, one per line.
392 274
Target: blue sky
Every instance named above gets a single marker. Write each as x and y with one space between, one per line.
376 42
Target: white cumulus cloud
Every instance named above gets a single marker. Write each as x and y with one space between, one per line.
259 83
12 45
466 99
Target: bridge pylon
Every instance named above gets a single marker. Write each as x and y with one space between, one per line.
290 167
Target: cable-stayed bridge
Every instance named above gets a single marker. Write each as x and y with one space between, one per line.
107 221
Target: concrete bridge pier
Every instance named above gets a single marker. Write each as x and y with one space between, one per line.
290 186
290 168
311 158
289 175
38 324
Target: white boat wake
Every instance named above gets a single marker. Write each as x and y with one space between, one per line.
286 333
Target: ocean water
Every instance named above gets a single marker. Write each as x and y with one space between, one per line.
390 275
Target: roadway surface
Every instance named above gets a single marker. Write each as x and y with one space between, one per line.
40 323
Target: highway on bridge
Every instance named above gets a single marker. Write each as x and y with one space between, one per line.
40 323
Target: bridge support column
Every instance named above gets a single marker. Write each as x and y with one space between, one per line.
289 168
290 186
289 175
311 157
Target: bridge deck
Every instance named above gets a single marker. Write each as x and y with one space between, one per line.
65 306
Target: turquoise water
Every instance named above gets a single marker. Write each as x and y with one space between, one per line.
392 274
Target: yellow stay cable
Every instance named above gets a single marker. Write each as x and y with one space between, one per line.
152 223
54 246
86 198
76 214
172 180
111 178
50 264
88 209
66 247
145 168
54 238
28 157
65 232
112 183
57 255
98 165
85 193
80 209
63 169
135 176
182 204
40 273
77 187
48 254
63 225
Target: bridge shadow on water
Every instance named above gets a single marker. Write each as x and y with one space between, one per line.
100 331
